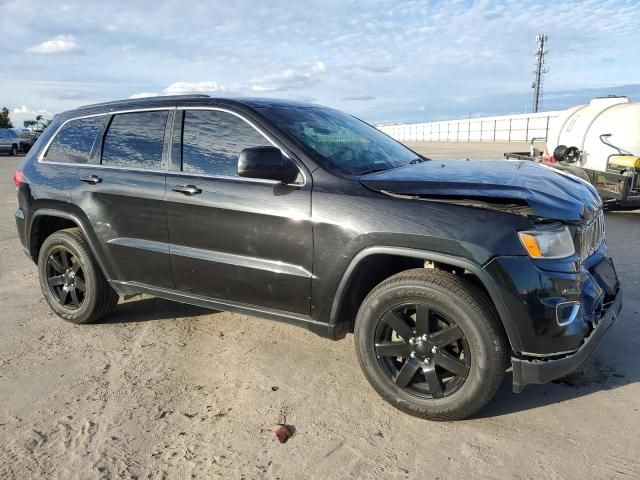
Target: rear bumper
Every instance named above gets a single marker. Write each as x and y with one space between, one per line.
21 225
528 371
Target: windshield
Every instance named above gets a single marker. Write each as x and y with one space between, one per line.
340 142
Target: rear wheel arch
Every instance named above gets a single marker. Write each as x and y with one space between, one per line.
71 280
351 291
47 221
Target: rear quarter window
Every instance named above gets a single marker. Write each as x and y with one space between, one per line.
74 141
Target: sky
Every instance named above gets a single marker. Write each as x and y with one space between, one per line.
384 61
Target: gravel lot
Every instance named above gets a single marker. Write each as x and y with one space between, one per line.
164 390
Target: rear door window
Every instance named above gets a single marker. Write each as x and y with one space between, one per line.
212 141
74 141
135 140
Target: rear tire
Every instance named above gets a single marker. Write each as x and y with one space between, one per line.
71 281
430 344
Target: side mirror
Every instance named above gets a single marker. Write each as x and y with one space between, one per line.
267 163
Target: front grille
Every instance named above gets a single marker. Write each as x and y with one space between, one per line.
591 236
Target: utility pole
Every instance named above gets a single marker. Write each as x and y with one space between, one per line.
540 69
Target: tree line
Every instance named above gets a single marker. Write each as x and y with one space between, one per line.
39 121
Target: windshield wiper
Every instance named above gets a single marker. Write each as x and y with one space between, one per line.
375 170
418 160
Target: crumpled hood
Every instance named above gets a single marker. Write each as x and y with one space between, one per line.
549 192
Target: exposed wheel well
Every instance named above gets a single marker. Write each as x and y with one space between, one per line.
42 227
376 268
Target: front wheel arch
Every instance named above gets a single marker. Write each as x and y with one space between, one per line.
445 359
342 323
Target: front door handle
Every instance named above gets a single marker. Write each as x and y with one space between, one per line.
91 179
187 189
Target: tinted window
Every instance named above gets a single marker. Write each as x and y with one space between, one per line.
340 142
135 140
212 142
73 142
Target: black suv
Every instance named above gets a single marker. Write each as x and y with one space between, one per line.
447 272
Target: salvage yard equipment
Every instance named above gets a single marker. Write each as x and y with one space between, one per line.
600 143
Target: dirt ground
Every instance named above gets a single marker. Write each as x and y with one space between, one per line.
164 390
473 150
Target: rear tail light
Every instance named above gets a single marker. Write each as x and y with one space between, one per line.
18 176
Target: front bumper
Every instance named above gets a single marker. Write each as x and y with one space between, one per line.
552 336
527 371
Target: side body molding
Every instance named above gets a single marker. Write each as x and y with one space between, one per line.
463 263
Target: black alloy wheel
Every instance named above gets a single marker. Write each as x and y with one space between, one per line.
422 351
71 280
430 343
65 278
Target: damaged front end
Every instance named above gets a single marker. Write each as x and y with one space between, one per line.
505 205
499 184
562 291
559 309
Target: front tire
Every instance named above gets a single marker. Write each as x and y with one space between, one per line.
430 344
14 151
70 279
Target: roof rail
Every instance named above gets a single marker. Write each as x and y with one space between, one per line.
153 99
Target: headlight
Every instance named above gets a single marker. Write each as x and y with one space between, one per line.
555 243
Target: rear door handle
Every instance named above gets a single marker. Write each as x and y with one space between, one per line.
91 179
187 189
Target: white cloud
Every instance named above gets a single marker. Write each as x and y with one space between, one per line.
144 95
289 79
180 88
184 88
358 98
59 44
24 110
22 113
319 67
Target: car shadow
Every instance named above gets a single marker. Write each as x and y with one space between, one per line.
144 309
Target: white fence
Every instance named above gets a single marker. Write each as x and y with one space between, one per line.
507 128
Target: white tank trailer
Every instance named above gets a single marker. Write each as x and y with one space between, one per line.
600 142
